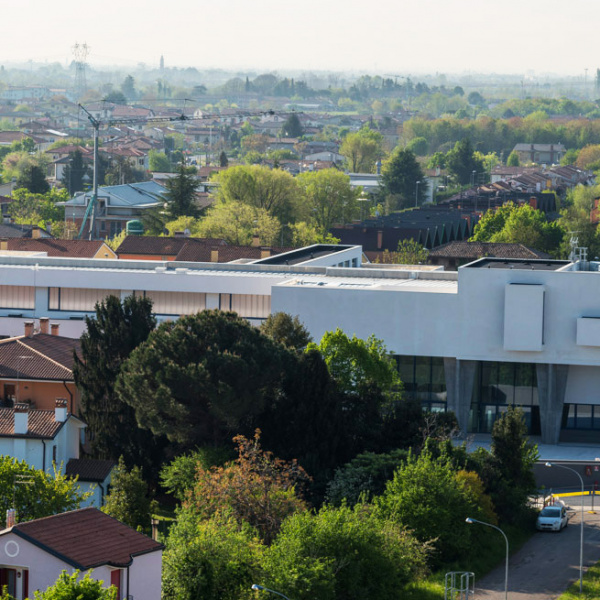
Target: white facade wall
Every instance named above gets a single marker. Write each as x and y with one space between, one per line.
145 576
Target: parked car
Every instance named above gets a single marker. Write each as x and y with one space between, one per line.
552 518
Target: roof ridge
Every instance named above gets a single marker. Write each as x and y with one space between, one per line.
43 355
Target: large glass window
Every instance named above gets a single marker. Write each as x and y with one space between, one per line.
423 379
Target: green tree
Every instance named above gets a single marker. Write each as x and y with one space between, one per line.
37 209
110 337
343 553
212 559
158 162
128 88
418 146
180 194
75 587
201 378
329 198
116 97
399 176
292 127
462 163
355 363
306 234
223 160
362 150
48 494
237 223
513 160
273 190
286 330
34 180
128 500
74 173
409 252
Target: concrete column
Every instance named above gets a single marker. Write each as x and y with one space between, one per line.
460 375
551 383
41 302
212 301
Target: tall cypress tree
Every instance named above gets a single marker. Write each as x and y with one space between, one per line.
181 194
111 335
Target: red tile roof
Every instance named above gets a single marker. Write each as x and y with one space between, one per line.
65 248
42 356
160 246
463 249
87 538
40 424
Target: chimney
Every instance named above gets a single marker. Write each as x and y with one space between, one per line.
36 233
11 517
265 251
3 245
214 254
44 325
60 410
21 418
255 241
28 328
54 327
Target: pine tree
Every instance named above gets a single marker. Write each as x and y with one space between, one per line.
181 194
74 173
34 180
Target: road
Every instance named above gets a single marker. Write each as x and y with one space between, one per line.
544 567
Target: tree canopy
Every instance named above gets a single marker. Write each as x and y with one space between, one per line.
362 150
180 195
399 176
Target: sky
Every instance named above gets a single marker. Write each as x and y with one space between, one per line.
384 36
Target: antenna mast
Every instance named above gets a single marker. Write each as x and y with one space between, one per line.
80 52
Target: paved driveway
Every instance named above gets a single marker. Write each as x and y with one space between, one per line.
548 562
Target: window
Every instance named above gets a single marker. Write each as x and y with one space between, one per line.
176 303
76 299
251 305
17 296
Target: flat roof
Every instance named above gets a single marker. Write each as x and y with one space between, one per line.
517 263
301 255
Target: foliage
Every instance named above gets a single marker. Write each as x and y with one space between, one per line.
399 176
237 223
111 335
128 500
342 553
180 194
158 162
577 217
409 252
305 234
119 170
74 587
292 127
418 146
48 494
201 378
329 198
258 489
462 163
364 477
286 330
426 496
362 149
356 364
37 209
223 160
591 586
74 173
519 225
181 224
513 159
179 475
273 190
114 242
33 179
212 559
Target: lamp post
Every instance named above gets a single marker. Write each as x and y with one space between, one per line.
549 464
470 521
262 588
473 173
417 194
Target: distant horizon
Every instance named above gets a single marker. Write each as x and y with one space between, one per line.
338 36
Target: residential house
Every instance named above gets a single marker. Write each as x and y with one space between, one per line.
11 230
540 153
64 248
33 554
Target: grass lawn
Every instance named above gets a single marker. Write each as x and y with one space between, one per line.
591 586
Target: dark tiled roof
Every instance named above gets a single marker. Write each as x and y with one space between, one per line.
159 246
18 231
74 248
40 424
195 252
480 249
87 538
42 356
87 469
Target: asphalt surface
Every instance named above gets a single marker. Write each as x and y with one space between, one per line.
545 566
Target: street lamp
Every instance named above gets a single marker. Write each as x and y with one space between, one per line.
473 173
549 464
262 588
471 521
417 194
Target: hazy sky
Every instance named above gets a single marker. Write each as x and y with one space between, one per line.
388 36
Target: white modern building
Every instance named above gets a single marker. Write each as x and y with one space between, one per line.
475 341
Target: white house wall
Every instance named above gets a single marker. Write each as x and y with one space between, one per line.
145 576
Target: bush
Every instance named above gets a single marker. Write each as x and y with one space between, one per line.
342 553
